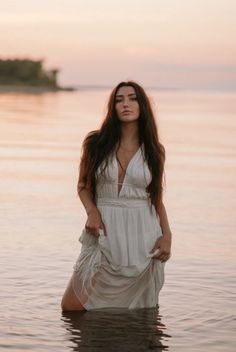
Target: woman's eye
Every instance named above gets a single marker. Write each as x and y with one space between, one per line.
120 100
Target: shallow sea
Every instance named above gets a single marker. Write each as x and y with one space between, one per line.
42 218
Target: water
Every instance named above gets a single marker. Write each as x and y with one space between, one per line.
42 217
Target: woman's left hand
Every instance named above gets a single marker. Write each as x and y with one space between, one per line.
163 248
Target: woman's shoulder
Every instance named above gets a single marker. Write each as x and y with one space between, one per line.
91 136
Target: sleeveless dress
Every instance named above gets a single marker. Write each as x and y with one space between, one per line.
117 270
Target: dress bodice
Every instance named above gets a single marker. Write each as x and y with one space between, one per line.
137 178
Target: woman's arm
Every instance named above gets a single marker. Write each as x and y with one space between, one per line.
163 244
94 220
164 221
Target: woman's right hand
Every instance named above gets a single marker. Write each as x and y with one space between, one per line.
94 223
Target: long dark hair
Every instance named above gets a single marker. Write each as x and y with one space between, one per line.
99 144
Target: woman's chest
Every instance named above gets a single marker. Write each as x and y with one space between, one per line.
134 172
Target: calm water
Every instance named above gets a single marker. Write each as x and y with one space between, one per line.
41 220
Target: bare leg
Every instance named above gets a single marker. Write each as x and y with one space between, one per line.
69 301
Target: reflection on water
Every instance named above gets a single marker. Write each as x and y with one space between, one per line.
116 330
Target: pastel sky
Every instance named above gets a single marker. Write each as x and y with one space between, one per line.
164 43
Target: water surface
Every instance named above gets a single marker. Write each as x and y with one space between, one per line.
42 217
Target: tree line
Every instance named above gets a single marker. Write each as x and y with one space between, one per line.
26 72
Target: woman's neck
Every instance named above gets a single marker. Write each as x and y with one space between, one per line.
129 133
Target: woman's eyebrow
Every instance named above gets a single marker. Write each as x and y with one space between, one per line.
121 95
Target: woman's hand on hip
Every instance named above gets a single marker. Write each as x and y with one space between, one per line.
94 223
162 248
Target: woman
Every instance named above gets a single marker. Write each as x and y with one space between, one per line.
127 239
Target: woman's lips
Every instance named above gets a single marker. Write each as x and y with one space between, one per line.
126 112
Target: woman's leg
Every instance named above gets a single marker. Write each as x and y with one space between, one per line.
69 301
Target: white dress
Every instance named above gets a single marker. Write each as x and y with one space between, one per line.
117 270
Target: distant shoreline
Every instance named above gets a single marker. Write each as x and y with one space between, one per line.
34 89
83 87
44 89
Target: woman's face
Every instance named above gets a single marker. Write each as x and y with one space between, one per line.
127 106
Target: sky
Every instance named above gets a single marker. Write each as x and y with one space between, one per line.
187 44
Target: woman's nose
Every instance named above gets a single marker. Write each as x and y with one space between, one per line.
125 102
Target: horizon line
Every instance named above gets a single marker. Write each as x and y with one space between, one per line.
152 87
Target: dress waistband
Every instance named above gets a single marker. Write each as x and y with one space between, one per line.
123 202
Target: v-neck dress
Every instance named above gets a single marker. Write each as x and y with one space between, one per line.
117 270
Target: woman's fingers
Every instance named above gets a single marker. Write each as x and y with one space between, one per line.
92 230
156 247
96 231
103 227
94 223
163 256
160 253
161 249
